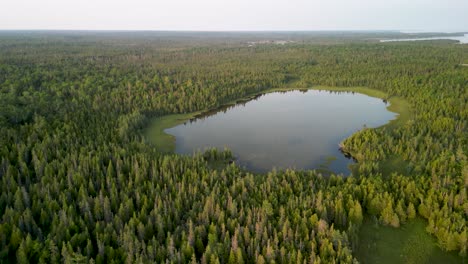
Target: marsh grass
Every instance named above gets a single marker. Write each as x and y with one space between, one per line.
409 243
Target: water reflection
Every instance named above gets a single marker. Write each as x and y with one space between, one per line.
295 129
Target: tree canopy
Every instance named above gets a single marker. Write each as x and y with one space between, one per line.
80 183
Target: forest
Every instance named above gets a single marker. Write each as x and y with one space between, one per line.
80 183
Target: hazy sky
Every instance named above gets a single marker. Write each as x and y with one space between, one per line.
424 15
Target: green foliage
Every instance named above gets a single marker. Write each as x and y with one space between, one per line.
406 244
80 183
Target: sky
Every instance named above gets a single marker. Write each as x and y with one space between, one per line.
235 15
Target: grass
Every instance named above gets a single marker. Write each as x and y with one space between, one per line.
408 244
155 132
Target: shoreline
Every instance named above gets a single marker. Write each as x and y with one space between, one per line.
165 143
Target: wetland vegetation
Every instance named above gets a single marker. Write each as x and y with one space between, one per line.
408 244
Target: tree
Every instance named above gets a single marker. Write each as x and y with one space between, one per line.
411 212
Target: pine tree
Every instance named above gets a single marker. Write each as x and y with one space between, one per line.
22 254
411 212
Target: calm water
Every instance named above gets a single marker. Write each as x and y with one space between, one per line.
461 39
294 129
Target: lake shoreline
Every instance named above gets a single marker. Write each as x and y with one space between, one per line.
165 143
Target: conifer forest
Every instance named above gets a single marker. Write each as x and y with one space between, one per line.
82 183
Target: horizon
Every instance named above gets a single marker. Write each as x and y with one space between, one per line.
239 15
242 31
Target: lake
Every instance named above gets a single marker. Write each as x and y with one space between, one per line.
462 39
295 129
